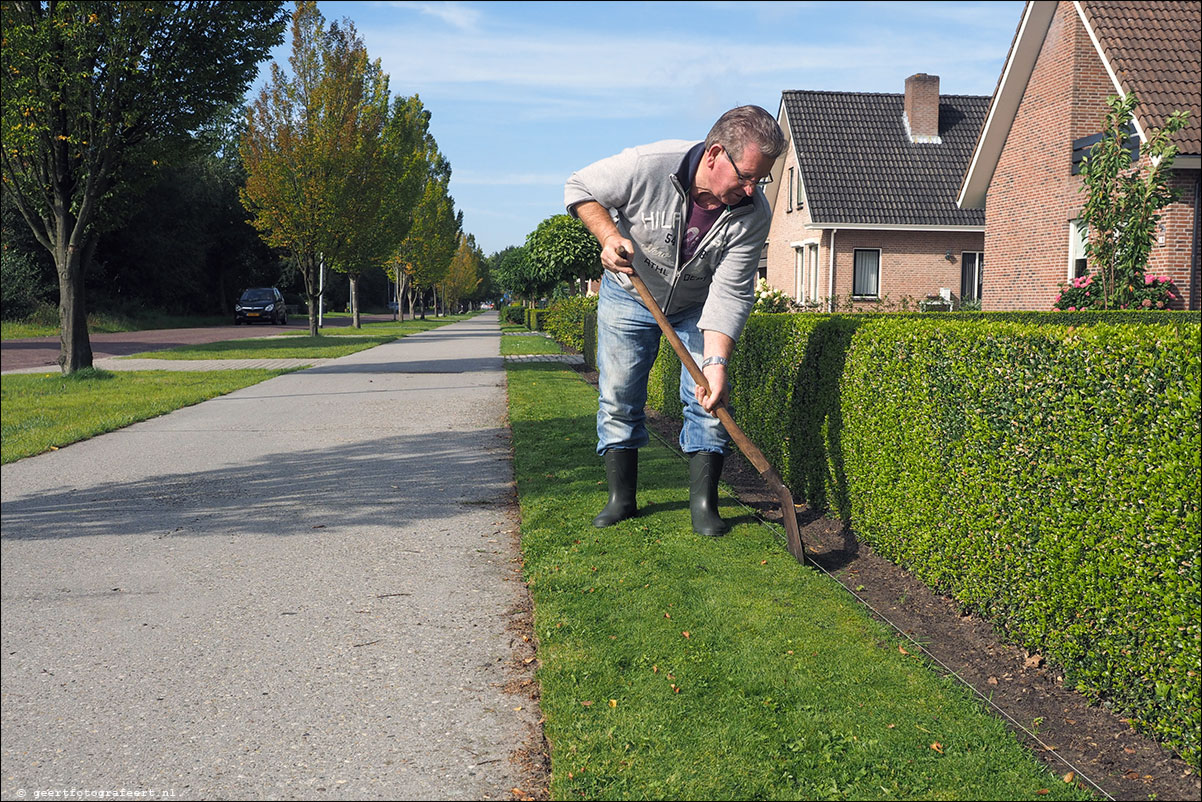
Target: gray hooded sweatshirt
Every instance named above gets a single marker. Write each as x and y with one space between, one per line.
646 190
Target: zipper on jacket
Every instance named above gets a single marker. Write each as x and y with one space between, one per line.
682 221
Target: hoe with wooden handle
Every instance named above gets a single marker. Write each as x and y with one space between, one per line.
753 454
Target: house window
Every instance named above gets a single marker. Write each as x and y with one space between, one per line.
790 198
1078 235
812 295
866 280
972 271
800 200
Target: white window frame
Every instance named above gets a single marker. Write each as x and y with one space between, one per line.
879 271
1078 233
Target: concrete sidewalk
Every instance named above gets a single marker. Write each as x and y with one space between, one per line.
298 590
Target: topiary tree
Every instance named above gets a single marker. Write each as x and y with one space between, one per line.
562 249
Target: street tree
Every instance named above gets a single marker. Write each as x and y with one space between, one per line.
463 275
98 94
561 248
301 148
425 255
407 148
359 236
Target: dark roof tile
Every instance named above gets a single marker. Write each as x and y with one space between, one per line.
1155 49
859 165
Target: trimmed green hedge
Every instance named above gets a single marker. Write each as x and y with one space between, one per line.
534 319
514 313
1046 476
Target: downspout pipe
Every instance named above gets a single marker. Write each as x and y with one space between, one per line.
830 289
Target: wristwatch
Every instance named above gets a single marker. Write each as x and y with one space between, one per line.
714 360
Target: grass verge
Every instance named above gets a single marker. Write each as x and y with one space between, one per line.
46 325
42 412
330 344
679 667
527 344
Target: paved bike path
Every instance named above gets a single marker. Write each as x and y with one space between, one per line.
297 590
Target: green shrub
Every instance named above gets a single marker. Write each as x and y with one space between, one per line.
1045 476
514 313
564 320
21 290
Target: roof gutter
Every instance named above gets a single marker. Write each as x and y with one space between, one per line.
889 227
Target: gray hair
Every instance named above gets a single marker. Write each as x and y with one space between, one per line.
747 125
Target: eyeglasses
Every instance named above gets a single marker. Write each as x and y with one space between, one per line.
744 180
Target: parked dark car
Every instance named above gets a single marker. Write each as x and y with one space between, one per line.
261 304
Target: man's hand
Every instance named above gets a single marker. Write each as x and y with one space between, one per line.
719 389
615 254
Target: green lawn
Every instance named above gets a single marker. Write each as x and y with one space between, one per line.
47 411
674 666
523 344
331 343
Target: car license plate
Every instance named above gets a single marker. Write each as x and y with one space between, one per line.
252 314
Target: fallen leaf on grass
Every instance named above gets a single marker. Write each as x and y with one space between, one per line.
613 702
1068 778
685 633
938 747
902 650
667 615
586 704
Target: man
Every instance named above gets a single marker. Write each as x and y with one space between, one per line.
691 220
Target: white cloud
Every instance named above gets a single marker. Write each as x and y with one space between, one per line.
456 15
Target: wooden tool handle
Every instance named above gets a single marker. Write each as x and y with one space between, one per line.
753 454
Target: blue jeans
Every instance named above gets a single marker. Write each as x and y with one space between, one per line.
627 343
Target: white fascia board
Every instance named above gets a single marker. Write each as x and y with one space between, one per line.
1032 30
1114 78
778 167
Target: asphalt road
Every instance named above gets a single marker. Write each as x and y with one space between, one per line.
296 591
39 352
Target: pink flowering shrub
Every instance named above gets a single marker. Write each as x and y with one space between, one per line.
1085 292
1081 293
1158 292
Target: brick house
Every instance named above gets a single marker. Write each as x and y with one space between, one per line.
1050 101
864 200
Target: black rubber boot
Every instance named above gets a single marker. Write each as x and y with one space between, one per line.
705 469
622 472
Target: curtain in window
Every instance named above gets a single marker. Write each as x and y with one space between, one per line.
972 271
866 280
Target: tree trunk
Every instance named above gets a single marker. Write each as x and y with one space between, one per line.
309 266
75 349
355 301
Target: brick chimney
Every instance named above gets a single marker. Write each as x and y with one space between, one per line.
921 115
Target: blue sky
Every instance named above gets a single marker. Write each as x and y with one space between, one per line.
522 94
